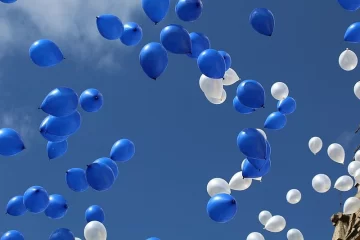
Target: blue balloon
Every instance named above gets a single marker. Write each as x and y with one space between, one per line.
36 199
94 213
60 102
189 10
56 149
156 10
132 34
61 126
262 20
10 142
45 53
12 235
249 171
275 121
52 138
287 106
153 59
62 234
57 207
227 59
100 176
122 150
16 207
76 179
199 43
211 64
91 100
241 108
352 33
153 238
251 94
109 26
175 39
350 5
252 143
8 1
110 164
222 208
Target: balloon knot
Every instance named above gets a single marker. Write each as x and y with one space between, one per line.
233 201
88 165
223 78
39 108
67 172
96 97
66 206
156 23
97 17
198 4
263 106
64 58
37 190
135 30
153 79
24 147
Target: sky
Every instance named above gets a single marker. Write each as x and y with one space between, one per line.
182 141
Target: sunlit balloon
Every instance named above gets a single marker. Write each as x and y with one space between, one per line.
348 60
294 234
357 89
109 26
211 64
189 10
175 39
91 100
344 183
122 150
57 207
293 196
264 217
217 100
132 34
95 230
262 20
36 199
60 102
110 163
15 206
12 235
227 59
62 234
94 213
76 179
56 149
222 208
336 153
279 91
199 43
211 87
61 126
8 1
10 142
352 33
286 106
239 107
350 5
252 143
351 205
251 94
156 10
45 53
275 121
321 183
239 183
255 236
353 167
275 224
315 145
99 176
230 77
153 59
217 186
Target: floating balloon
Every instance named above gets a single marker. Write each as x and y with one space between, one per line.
321 183
217 186
352 33
315 145
122 150
294 234
110 163
36 199
239 183
251 94
76 179
211 64
348 60
8 1
211 87
217 100
61 126
10 142
275 121
344 183
293 196
156 10
109 26
230 77
45 53
279 91
16 207
353 167
252 143
153 59
252 171
262 20
57 207
357 89
287 106
255 236
264 217
94 213
95 231
132 34
336 153
91 100
12 235
241 108
60 102
357 156
62 234
350 5
351 205
188 10
99 176
175 39
199 43
222 208
227 59
263 133
275 224
56 149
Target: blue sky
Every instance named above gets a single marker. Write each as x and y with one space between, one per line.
182 140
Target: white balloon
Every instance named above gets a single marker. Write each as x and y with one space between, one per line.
77 238
357 156
239 183
211 87
321 183
217 100
217 186
353 167
351 205
276 224
357 176
315 145
230 77
264 217
255 236
348 60
294 234
95 230
344 183
293 196
262 133
357 89
257 179
336 153
279 91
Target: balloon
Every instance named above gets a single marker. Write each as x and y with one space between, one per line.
293 196
153 59
357 176
76 179
211 87
156 10
100 176
211 64
250 171
94 213
315 145
56 149
264 217
51 137
357 156
252 143
175 39
10 142
348 60
352 33
57 207
45 53
294 234
12 235
357 89
251 94
321 183
16 207
350 5
275 121
263 133
353 167
95 231
122 150
8 1
287 106
241 108
336 153
275 224
227 59
255 236
109 26
217 100
91 100
36 199
60 102
62 234
230 77
188 10
239 183
217 186
262 20
61 126
222 208
344 183
132 34
279 91
351 205
110 164
199 43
